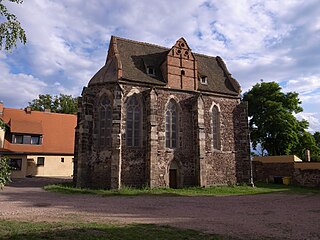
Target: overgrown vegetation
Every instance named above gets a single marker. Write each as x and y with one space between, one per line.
192 191
63 230
5 171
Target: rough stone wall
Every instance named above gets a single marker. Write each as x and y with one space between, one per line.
242 143
134 162
307 177
184 154
196 161
222 165
95 164
266 172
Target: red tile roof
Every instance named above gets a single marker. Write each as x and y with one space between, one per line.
56 129
18 126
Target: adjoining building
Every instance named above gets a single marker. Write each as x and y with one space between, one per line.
287 169
37 143
161 117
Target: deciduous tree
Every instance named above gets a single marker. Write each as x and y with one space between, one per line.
272 122
59 104
316 136
10 28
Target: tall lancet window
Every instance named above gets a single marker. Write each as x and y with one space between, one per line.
171 125
133 122
216 128
105 122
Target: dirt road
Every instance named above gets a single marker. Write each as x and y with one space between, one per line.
277 216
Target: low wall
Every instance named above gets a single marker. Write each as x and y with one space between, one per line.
269 169
307 177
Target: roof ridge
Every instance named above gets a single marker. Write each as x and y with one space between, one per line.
203 55
40 112
156 45
142 43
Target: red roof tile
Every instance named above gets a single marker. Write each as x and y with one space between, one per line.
57 130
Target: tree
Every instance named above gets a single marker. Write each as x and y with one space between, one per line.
10 29
5 171
306 142
272 123
315 156
58 104
316 136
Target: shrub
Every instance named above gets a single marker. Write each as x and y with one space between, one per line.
5 171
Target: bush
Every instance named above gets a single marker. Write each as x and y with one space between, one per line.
315 158
5 171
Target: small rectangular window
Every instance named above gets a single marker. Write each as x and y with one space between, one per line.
35 140
204 80
40 161
62 159
26 139
17 139
15 164
151 71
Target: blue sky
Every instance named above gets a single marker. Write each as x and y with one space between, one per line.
67 42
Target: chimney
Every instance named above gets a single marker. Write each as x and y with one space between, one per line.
28 110
308 155
1 108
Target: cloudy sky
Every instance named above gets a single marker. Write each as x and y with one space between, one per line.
67 42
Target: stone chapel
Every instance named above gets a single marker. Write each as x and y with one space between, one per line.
161 117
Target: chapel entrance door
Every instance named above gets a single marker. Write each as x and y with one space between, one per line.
173 175
173 178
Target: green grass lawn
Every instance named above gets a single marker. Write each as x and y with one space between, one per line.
87 231
192 191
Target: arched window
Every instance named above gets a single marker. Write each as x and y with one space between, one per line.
171 125
105 122
216 127
133 123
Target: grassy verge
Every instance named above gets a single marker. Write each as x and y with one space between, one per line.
62 230
193 191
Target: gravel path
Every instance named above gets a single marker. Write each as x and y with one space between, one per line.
277 216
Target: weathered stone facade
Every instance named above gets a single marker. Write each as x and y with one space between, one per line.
158 77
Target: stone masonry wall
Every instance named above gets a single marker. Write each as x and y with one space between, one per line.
307 177
266 172
134 162
93 163
184 154
221 165
242 143
196 161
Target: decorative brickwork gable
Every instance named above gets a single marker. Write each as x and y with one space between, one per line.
158 77
180 67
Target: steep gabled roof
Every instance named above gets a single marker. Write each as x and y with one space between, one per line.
135 56
57 130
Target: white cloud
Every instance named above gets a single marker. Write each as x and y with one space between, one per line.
270 40
312 118
18 89
304 85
